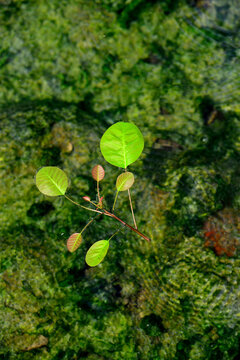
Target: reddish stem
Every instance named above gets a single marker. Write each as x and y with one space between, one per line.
105 212
125 224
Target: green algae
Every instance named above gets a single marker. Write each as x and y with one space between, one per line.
36 287
175 279
69 70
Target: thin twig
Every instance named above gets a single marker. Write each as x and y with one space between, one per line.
98 191
107 213
114 234
84 207
124 223
89 223
130 200
115 201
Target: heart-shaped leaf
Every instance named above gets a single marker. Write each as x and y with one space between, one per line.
98 172
122 144
74 241
97 252
51 181
124 181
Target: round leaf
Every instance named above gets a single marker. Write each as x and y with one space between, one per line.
97 252
51 181
74 242
124 181
98 172
122 144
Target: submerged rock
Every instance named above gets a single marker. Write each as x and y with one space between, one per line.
222 232
69 70
172 298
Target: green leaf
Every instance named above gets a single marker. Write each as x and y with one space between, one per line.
122 144
124 181
51 181
98 172
97 252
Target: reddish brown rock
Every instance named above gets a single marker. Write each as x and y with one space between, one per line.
222 232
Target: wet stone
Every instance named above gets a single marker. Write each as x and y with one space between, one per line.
222 232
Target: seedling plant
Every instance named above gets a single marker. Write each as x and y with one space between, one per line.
121 145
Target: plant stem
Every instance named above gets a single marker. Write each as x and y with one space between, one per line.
114 234
89 223
105 212
98 191
115 201
125 224
84 207
130 200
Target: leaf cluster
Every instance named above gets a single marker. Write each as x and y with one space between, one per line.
121 145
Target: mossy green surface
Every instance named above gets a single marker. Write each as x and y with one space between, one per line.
69 70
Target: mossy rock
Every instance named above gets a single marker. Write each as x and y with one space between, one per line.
38 276
175 284
69 71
